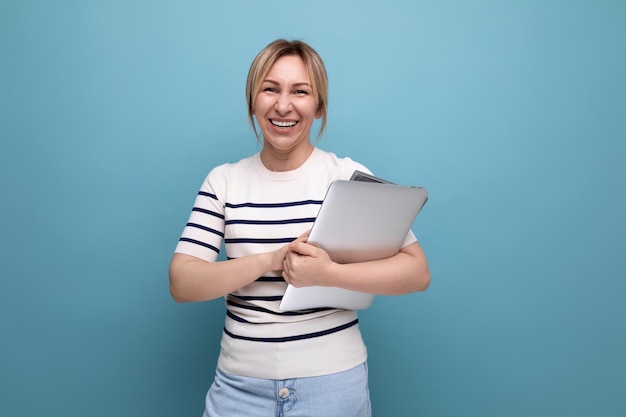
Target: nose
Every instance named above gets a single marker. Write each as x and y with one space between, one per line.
283 103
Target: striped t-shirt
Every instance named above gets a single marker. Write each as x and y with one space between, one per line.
253 210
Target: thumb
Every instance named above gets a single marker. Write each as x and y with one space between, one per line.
302 248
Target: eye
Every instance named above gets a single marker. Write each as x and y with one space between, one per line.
269 90
301 92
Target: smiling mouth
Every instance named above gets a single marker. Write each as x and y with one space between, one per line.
278 123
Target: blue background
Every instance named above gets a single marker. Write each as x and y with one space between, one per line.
512 114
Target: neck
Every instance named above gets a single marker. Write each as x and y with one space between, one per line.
288 161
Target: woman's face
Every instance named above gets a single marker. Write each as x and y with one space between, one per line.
285 107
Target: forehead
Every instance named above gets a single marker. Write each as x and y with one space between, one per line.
289 68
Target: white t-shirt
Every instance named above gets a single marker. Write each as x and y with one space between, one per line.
254 210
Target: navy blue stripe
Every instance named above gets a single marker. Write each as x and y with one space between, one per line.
236 318
242 320
207 229
292 338
264 310
265 222
261 241
209 212
270 279
204 193
258 298
284 313
197 242
274 205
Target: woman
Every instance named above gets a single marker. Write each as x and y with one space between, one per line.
304 363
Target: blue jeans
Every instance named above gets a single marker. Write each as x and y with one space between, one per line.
344 394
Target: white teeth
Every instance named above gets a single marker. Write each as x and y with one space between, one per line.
283 124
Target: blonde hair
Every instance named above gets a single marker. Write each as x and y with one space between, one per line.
268 57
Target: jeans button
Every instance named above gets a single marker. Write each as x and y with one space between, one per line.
283 393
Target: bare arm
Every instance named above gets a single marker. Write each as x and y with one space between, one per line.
193 279
405 272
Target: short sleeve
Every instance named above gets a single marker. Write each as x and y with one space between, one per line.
204 232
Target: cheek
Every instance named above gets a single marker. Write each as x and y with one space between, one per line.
309 111
260 105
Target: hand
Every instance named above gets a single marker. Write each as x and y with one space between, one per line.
277 258
305 265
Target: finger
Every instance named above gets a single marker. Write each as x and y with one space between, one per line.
303 248
290 260
285 273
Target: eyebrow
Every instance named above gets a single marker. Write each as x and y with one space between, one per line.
294 84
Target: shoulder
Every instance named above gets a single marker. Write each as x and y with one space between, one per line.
229 173
342 166
243 166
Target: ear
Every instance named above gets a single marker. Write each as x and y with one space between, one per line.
319 112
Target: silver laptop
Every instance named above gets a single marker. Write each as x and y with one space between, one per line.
358 221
